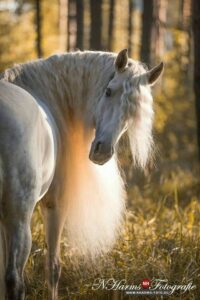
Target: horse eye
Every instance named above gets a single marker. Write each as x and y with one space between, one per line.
108 92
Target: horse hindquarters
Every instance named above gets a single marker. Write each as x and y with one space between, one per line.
20 184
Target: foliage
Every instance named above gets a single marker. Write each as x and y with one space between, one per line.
14 32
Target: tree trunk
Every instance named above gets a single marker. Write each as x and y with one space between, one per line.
159 24
185 14
63 4
130 26
186 25
196 34
147 25
96 25
71 26
38 29
80 23
111 23
153 31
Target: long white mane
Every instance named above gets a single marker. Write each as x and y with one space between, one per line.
96 198
93 196
141 119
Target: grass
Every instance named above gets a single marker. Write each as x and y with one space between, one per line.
161 239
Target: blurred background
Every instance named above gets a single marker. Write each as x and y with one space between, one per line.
161 238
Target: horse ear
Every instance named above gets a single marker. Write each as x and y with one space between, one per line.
154 73
121 60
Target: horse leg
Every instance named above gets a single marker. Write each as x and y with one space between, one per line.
54 219
2 262
18 240
18 202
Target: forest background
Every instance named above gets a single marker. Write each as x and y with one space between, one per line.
161 238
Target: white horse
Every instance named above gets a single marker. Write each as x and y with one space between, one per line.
50 112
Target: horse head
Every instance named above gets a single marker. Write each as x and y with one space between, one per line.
126 105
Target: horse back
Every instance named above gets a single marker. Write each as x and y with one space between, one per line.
25 144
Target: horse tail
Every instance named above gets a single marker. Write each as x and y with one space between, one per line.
2 242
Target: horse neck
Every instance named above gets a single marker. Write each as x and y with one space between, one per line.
69 84
82 81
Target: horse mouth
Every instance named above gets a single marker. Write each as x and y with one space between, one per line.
99 160
98 155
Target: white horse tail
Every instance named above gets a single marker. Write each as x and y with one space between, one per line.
2 245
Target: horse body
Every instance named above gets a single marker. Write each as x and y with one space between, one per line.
25 131
56 113
26 154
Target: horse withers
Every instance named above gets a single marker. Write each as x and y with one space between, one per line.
60 121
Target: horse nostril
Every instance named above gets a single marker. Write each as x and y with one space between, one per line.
97 147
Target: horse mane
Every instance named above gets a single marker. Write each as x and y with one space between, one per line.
141 122
66 82
71 85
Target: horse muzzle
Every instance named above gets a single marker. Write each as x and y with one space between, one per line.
100 152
